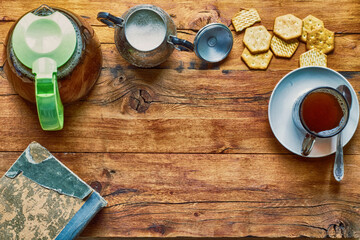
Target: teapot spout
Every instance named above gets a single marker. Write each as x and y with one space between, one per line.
43 10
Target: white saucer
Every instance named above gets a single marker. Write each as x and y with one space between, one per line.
293 85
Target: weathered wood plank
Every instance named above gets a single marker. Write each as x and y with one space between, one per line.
4 29
187 15
1 56
5 87
195 92
210 195
153 135
169 94
149 111
194 238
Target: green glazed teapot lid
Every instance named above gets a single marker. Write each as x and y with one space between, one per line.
51 36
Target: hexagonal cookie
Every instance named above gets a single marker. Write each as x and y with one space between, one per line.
245 18
256 61
321 39
288 27
309 24
313 57
283 48
257 39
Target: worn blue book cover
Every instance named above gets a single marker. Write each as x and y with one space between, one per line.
40 198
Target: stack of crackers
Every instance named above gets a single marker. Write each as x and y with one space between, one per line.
319 41
260 46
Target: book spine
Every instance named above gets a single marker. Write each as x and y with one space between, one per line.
92 206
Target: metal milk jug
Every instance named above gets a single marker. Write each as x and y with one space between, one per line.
145 35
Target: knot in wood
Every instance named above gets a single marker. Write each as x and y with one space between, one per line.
6 19
140 100
210 15
158 228
96 186
339 230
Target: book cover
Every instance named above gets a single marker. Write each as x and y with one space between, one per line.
40 198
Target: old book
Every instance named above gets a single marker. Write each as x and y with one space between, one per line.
40 198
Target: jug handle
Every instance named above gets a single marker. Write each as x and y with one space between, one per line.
181 44
109 19
49 106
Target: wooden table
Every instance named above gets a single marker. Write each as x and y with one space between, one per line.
186 149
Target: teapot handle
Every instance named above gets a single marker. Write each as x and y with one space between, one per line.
181 44
109 19
48 102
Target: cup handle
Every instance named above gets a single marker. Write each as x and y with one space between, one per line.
181 44
307 144
109 19
49 106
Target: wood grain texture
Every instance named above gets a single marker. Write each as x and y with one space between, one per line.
218 194
185 149
159 111
189 15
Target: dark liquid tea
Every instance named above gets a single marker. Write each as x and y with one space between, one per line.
321 111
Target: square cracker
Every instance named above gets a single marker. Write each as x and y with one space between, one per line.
257 39
313 57
283 48
256 61
310 23
245 18
321 39
288 27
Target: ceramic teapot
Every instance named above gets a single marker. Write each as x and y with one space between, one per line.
52 56
145 36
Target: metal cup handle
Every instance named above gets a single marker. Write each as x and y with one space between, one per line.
181 44
109 19
307 144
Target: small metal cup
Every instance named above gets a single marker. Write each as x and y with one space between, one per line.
310 136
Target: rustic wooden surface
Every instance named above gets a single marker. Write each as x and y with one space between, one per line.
186 149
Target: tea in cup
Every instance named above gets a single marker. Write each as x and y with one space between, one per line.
321 112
